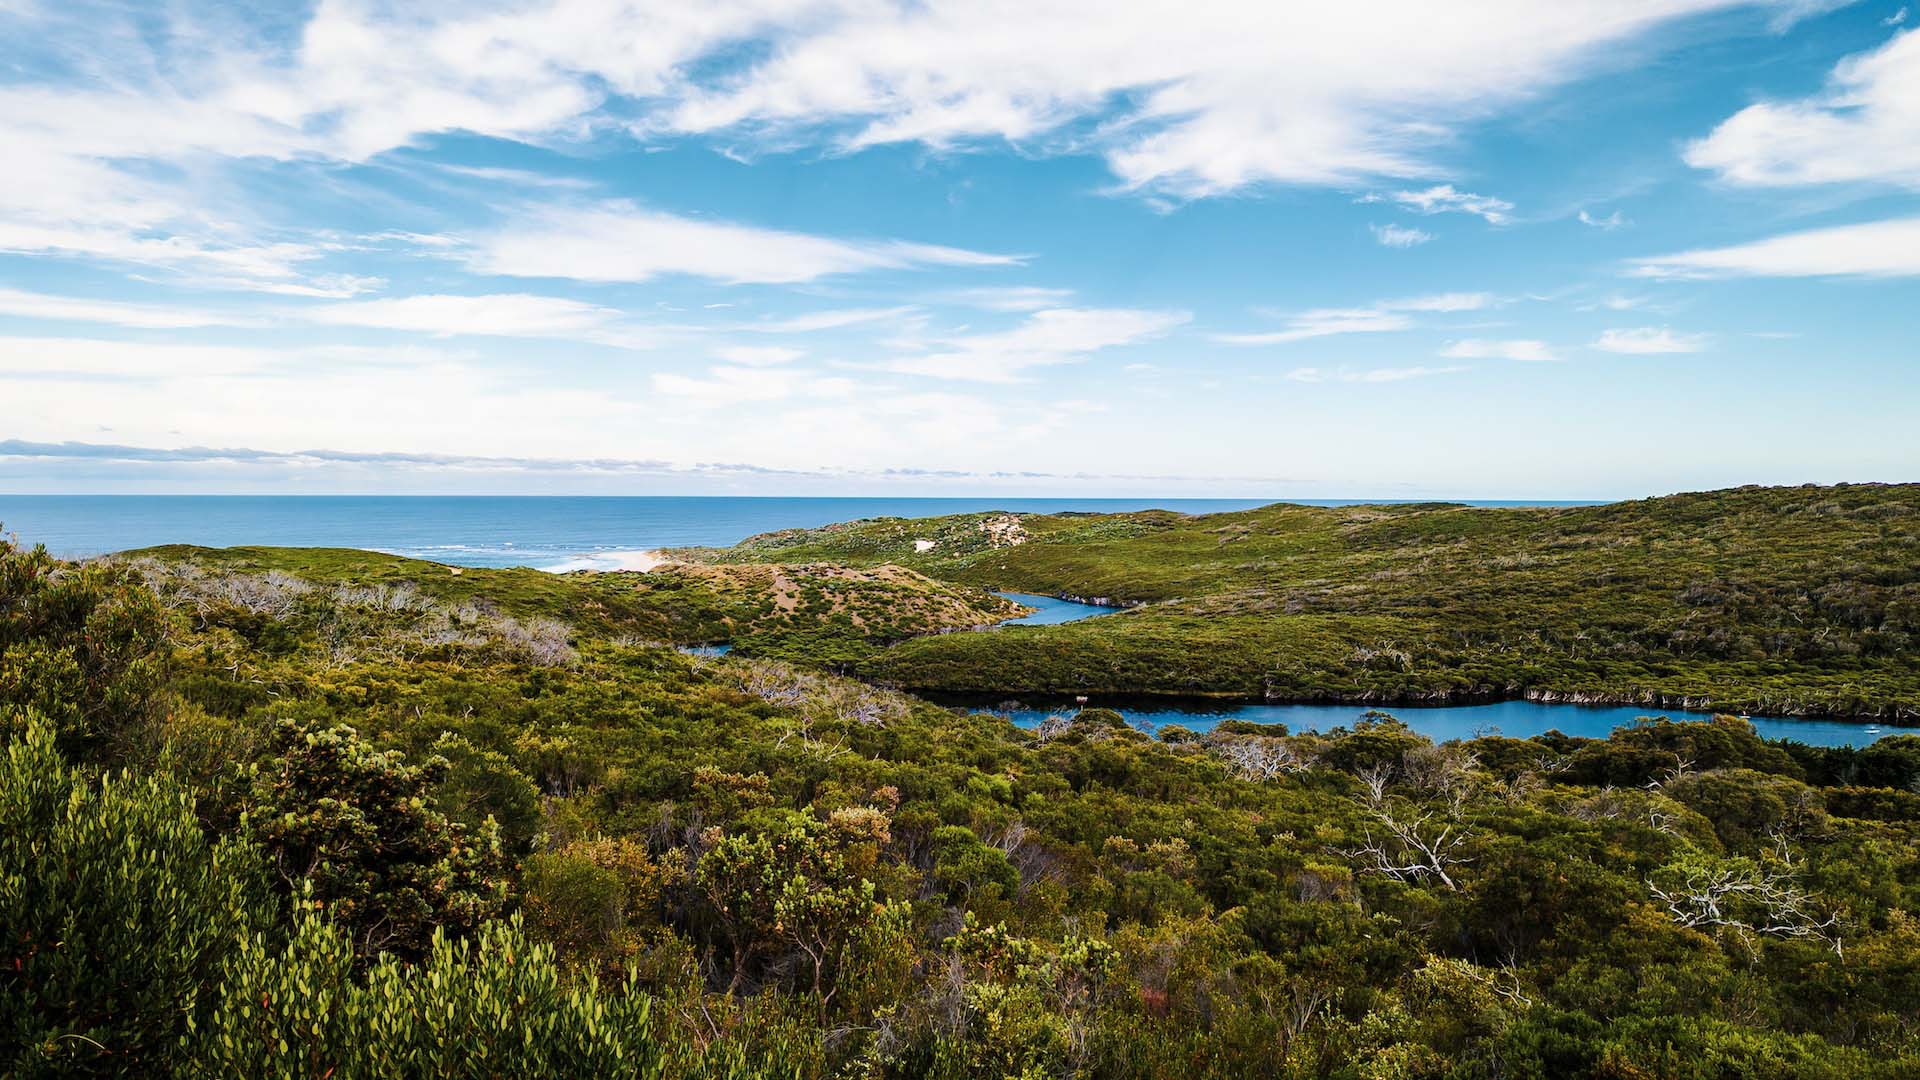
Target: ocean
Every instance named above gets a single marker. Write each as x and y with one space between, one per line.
548 532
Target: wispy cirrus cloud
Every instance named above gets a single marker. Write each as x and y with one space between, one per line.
1650 340
491 314
1399 236
737 385
624 242
1043 339
436 315
1007 298
1370 375
1447 199
1442 302
829 319
1524 349
1380 317
1324 322
444 315
33 305
759 355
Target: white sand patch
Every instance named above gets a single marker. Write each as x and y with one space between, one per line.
635 561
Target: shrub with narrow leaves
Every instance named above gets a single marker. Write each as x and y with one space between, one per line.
116 912
492 1005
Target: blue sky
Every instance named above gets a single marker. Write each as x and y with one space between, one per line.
1502 249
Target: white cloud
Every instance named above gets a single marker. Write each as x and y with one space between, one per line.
759 355
1382 316
1397 236
18 302
491 315
1485 349
1865 126
1045 338
1441 302
167 361
727 386
1369 375
83 357
1895 19
1214 97
1183 99
387 405
835 319
1324 322
623 242
1010 298
148 149
496 314
1647 340
374 400
1617 303
1609 223
1870 249
88 232
1445 198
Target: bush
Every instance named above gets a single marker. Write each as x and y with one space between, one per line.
353 829
490 1006
591 896
115 914
85 647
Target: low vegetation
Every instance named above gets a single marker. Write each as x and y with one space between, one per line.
337 815
1786 601
365 604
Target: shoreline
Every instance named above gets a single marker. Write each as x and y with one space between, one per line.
637 561
1202 702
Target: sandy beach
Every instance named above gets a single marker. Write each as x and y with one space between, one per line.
635 561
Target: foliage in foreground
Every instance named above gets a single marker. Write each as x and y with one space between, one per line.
626 861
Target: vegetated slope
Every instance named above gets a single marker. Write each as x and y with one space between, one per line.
1789 600
310 864
831 613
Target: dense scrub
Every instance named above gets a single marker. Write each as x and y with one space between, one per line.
366 604
494 846
1779 600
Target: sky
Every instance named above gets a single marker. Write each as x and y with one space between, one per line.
1500 249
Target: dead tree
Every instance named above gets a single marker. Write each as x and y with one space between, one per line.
1743 899
1412 850
1253 757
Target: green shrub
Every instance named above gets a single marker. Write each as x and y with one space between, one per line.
86 647
116 912
493 1005
352 829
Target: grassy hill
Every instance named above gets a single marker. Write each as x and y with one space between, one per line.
1802 600
366 602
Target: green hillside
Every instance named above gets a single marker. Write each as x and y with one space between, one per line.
1783 600
366 603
